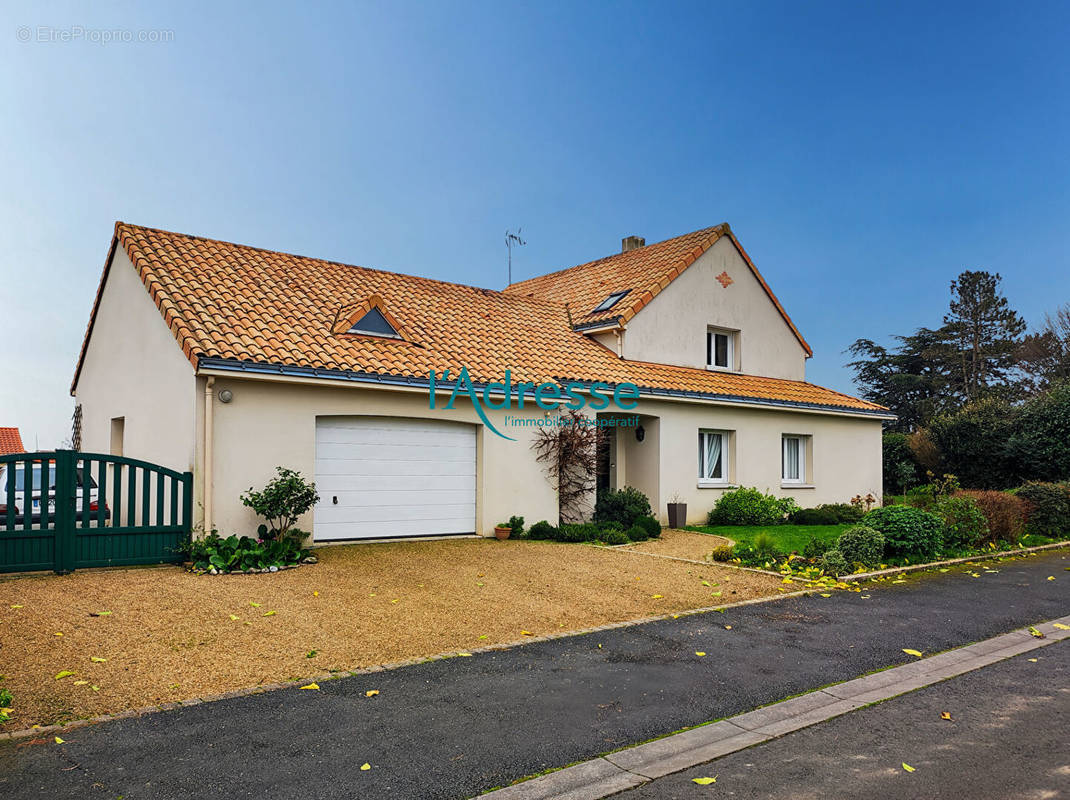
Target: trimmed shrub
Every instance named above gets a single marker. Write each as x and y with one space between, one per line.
613 536
908 532
861 545
751 507
921 497
650 525
579 532
974 443
542 530
1050 515
844 512
637 533
722 552
624 506
813 516
1041 442
833 563
516 525
815 548
1005 514
965 525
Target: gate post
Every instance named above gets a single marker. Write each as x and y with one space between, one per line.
66 493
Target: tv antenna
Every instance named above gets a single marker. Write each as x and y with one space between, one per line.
513 240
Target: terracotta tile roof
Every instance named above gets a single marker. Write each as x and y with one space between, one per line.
10 441
230 301
642 272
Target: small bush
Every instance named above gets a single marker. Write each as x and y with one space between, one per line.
908 532
722 552
580 532
613 536
624 506
765 547
815 548
814 516
833 563
637 533
861 545
285 498
650 525
516 525
235 554
1050 515
751 507
921 497
965 525
845 513
542 530
1005 514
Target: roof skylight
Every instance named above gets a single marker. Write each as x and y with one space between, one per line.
610 301
374 324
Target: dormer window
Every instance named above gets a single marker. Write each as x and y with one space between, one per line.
721 349
610 301
374 324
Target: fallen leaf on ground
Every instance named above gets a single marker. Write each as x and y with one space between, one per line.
371 693
699 653
484 636
907 767
1051 577
365 767
1033 660
270 613
100 613
63 674
1034 632
465 655
57 633
1060 626
728 627
311 686
826 595
656 596
59 741
254 605
315 594
704 781
81 683
16 606
526 633
234 617
909 652
945 715
97 659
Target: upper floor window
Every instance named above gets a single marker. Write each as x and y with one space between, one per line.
610 301
713 456
720 349
793 459
374 323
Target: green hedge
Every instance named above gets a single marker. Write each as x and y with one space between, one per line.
908 532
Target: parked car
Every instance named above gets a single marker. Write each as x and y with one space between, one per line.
38 499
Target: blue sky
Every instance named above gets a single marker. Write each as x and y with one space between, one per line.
864 153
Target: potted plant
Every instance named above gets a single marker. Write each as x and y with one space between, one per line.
502 530
677 512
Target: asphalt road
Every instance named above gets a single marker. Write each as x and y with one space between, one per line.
457 727
1007 738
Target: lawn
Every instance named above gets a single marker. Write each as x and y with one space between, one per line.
129 638
788 537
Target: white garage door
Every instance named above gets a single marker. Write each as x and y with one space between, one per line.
394 476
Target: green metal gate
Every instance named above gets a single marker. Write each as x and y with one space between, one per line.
63 510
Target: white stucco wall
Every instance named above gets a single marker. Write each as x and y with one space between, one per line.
671 329
844 454
134 369
270 424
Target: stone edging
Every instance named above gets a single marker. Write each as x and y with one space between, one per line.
634 766
858 576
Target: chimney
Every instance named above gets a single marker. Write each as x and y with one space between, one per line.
631 243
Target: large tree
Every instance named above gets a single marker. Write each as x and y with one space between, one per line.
983 335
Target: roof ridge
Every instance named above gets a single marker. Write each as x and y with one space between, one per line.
119 224
711 228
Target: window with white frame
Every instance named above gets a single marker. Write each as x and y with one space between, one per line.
793 459
713 456
720 349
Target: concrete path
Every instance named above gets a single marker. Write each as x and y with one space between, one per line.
455 728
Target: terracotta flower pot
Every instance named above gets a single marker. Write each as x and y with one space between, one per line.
502 531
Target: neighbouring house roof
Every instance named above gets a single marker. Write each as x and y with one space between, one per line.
230 304
10 441
642 273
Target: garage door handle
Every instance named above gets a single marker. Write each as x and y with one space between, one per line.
335 499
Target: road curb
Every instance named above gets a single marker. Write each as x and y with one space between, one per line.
634 766
995 554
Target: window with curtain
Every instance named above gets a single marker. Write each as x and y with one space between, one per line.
793 459
720 349
712 456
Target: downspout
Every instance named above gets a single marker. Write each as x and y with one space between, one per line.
619 332
209 384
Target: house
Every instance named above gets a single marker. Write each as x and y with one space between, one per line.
229 360
10 441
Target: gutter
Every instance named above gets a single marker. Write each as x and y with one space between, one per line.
232 367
